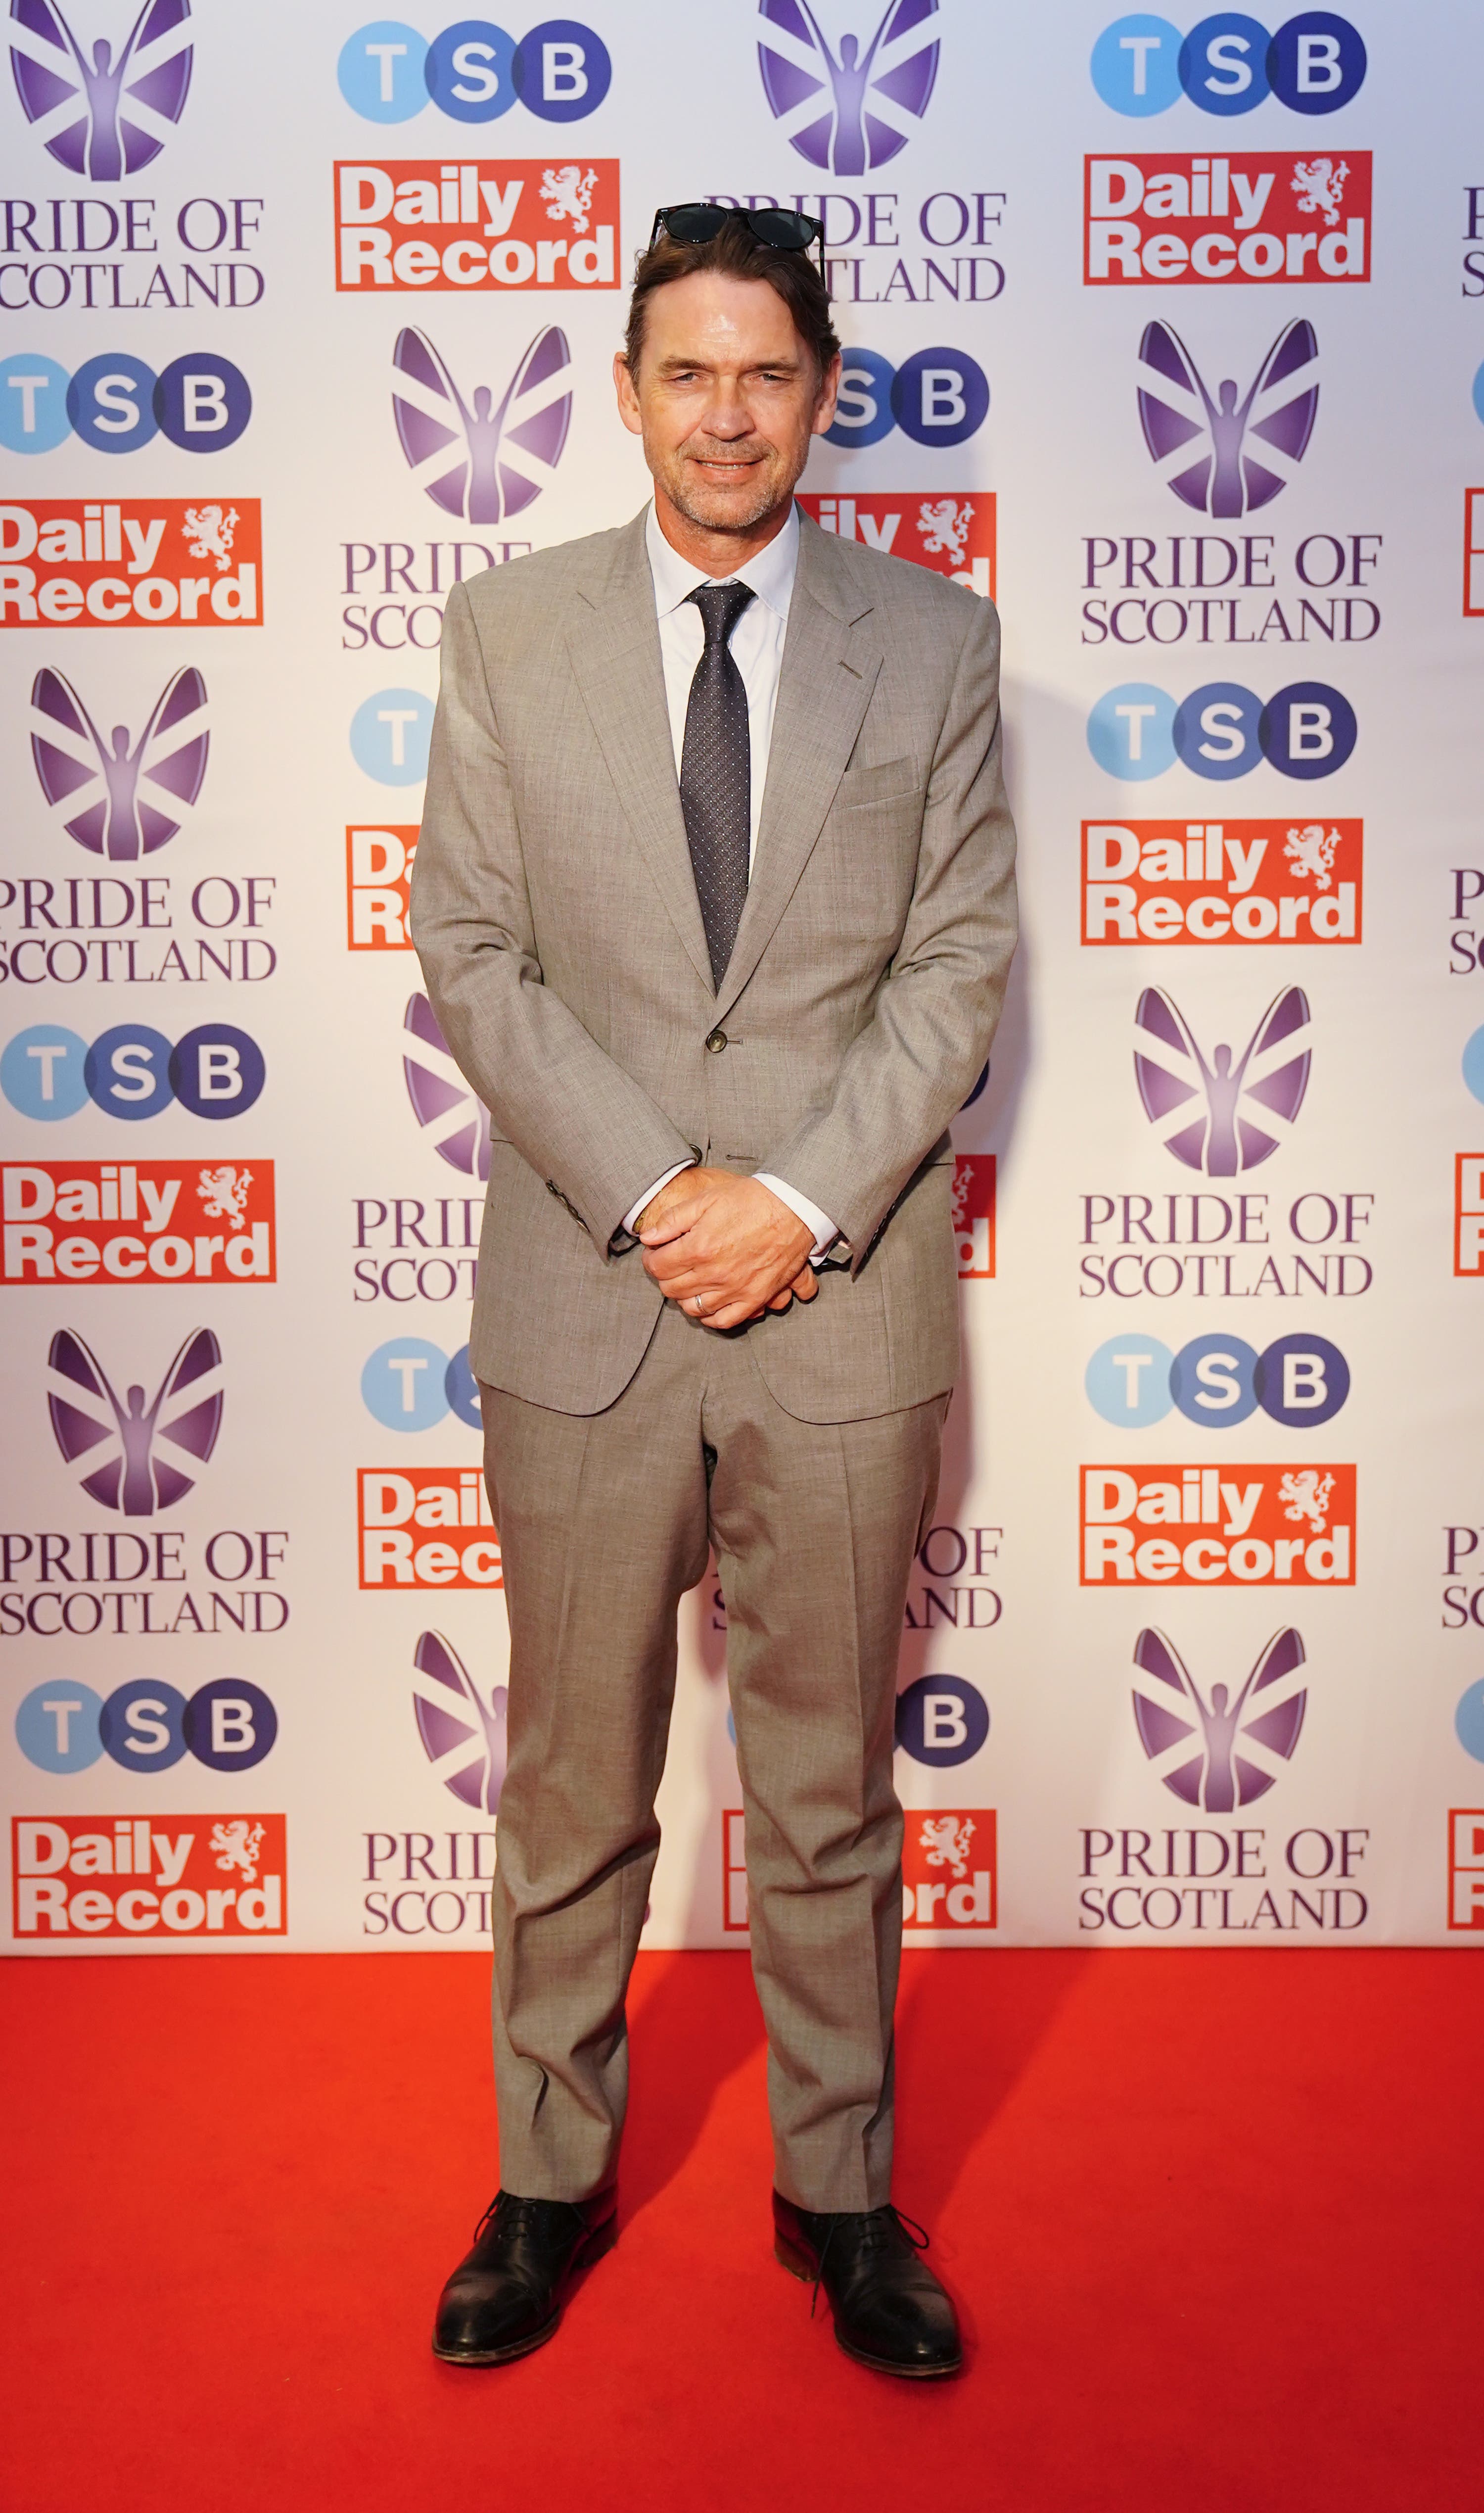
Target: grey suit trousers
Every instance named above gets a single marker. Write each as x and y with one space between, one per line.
604 1520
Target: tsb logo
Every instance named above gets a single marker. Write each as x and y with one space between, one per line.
1221 731
474 71
936 397
1300 1381
116 404
1226 64
132 1072
146 1725
941 1720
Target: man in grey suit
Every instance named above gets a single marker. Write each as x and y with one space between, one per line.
714 901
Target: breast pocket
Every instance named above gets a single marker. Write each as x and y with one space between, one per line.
895 780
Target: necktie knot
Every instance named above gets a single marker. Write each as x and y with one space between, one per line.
720 607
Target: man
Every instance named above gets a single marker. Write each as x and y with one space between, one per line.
715 903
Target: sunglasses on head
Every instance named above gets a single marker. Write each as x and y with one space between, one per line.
784 230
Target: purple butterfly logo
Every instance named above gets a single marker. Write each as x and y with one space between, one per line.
1220 1754
1227 457
131 1474
109 116
1226 1115
119 802
462 1738
478 460
853 108
443 1104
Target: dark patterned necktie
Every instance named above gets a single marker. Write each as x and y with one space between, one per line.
715 774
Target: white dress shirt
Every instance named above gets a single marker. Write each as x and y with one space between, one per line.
756 647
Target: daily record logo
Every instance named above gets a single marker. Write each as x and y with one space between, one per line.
463 1736
850 104
1302 1381
1222 881
477 457
1228 452
1468 1214
119 1876
1261 218
950 533
1222 1750
115 403
949 1868
181 1222
67 563
1465 1867
117 795
937 396
474 71
1228 1112
379 884
1221 731
132 1072
425 1527
133 1454
102 108
489 222
972 1197
1189 1526
1228 64
146 1725
454 1121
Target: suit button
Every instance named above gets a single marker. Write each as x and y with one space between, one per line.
716 1042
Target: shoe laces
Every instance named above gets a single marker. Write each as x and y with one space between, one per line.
879 2226
508 2212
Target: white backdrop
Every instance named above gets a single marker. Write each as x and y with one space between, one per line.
1226 1309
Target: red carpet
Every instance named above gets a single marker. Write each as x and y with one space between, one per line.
1216 2223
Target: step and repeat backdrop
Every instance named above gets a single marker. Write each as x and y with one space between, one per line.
1166 333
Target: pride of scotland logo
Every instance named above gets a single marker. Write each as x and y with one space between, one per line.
1219 1754
1225 1115
120 801
849 107
478 460
457 1125
133 1474
1223 455
109 116
462 1737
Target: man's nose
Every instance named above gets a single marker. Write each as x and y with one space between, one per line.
727 414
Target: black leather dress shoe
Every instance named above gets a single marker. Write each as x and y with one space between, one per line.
890 2312
507 2297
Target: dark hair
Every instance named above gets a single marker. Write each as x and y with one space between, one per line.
737 252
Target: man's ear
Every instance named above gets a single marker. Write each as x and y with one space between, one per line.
828 396
628 397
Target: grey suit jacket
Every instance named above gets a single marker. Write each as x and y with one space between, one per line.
555 912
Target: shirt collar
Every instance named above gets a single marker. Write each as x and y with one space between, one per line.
770 574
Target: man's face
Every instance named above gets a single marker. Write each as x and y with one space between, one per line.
727 399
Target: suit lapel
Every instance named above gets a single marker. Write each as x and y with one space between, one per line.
614 647
831 660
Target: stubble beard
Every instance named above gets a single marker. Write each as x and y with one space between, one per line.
694 503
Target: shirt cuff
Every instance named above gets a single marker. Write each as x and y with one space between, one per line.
823 1229
631 1218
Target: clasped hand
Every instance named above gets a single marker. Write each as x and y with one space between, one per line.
726 1247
